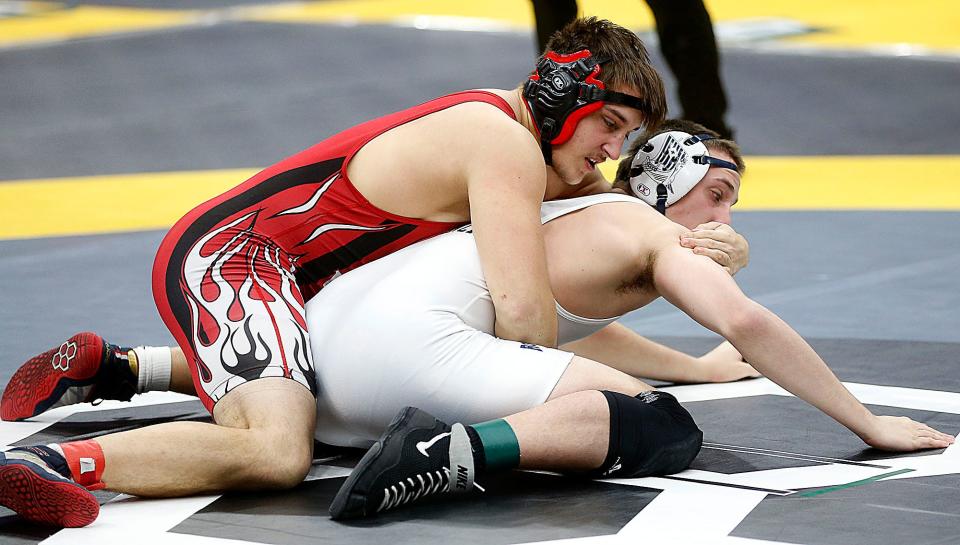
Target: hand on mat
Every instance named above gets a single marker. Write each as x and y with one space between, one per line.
719 242
899 433
725 364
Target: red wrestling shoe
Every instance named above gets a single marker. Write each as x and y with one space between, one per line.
83 368
29 487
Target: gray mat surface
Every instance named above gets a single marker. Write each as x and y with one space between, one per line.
924 511
248 94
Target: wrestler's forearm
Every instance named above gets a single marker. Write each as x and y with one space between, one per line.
505 211
778 352
625 350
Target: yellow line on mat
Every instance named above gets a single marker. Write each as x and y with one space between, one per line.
49 24
133 202
106 204
919 182
932 24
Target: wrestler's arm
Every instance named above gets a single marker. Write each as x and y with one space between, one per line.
707 294
624 349
506 181
728 248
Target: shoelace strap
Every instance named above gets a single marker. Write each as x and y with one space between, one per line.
415 487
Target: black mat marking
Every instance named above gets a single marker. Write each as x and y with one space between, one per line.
87 425
14 531
519 507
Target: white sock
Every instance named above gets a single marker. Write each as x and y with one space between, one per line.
154 364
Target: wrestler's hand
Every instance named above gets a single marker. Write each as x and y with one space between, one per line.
900 434
724 364
719 242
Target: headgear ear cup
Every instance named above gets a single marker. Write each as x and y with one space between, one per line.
562 90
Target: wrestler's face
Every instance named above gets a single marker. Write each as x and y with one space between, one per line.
598 136
709 200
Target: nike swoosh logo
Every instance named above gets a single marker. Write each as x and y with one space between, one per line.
422 446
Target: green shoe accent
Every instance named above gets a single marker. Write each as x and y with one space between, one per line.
500 445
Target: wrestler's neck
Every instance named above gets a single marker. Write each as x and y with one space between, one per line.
556 188
514 97
523 112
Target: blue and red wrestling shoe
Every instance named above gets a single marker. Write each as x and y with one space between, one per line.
83 368
38 493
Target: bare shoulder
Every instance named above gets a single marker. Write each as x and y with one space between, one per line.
472 118
486 128
467 136
430 160
633 224
642 237
621 240
495 152
621 234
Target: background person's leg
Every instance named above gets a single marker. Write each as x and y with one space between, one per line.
550 17
690 49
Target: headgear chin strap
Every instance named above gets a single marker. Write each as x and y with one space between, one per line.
668 166
564 89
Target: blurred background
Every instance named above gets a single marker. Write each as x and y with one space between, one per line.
117 116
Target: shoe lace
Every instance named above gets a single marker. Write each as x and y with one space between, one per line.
415 487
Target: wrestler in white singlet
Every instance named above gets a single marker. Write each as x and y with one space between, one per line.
416 328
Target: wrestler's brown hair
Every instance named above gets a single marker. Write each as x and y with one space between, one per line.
622 180
627 67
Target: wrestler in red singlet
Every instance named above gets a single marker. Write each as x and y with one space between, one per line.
232 276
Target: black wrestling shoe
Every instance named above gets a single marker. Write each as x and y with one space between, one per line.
410 461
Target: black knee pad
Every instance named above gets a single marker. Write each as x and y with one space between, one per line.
651 434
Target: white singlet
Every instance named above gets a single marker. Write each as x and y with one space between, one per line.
416 328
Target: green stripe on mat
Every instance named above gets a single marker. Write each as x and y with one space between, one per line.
868 480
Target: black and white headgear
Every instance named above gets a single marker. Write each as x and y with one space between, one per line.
668 166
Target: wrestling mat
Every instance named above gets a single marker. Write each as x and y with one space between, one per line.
772 470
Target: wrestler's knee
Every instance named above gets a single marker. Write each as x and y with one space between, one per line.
583 375
284 463
279 416
650 434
